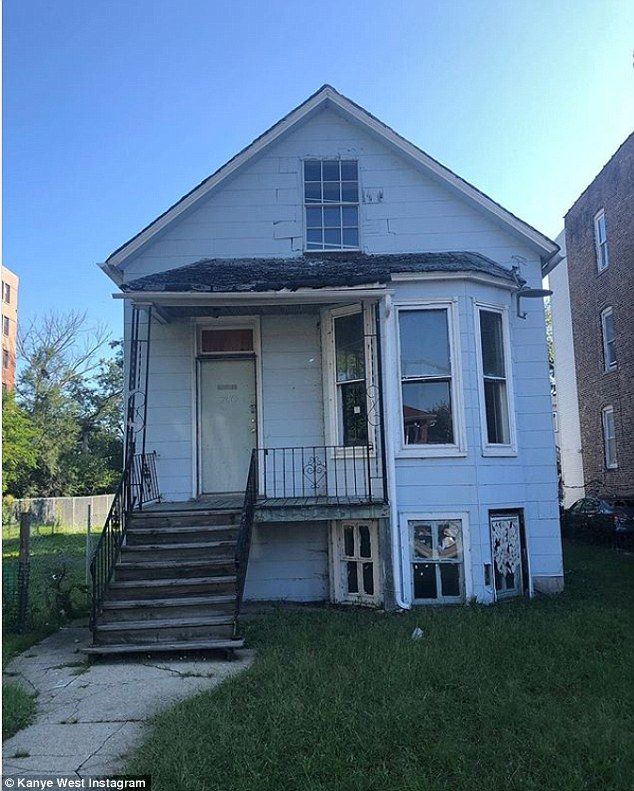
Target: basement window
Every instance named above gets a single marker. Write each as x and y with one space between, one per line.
331 201
437 562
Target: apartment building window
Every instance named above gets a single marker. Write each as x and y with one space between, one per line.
609 343
601 241
429 391
6 292
331 200
5 358
609 437
496 414
5 325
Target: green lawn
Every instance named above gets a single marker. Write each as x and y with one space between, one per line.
18 708
524 695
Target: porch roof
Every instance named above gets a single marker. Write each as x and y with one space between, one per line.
329 270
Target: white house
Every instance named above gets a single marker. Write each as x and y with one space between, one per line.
335 317
567 425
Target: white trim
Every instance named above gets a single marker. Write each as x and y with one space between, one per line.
608 410
476 277
328 96
283 297
601 267
459 447
607 366
405 517
234 322
490 449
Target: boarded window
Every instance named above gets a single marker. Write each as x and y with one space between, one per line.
226 341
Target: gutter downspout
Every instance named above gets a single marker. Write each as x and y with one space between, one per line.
385 307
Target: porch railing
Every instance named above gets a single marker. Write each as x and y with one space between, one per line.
138 486
320 471
243 541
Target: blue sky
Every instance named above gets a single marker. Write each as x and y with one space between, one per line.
115 108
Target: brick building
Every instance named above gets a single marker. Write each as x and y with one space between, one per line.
600 248
10 282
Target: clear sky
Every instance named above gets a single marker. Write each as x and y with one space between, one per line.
115 108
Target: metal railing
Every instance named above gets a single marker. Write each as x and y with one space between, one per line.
243 541
138 486
320 471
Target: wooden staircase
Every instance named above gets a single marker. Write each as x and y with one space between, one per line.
174 586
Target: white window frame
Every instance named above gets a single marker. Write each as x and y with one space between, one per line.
459 446
599 245
606 413
405 517
6 326
333 205
608 366
338 590
489 448
331 415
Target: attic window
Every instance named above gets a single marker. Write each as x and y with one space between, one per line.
331 200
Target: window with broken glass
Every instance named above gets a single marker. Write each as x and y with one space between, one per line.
358 561
349 339
437 562
331 200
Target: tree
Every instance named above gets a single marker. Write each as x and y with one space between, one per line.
19 456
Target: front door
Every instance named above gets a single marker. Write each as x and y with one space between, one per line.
228 428
508 553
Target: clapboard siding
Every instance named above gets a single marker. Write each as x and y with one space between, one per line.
259 211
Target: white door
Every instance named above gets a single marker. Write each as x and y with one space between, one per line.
228 426
356 569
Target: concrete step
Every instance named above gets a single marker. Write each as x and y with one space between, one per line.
172 587
186 518
180 551
137 536
165 629
167 647
168 569
123 610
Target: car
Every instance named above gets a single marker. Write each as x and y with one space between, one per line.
601 521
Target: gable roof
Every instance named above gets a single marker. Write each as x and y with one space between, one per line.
327 96
324 271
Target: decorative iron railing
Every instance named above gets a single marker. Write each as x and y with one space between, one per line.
138 486
243 541
334 472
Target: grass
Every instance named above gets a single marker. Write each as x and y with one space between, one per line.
523 695
18 708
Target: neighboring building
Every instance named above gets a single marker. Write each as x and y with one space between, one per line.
600 247
336 354
565 401
10 283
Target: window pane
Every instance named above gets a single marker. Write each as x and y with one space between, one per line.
314 236
330 169
312 170
497 416
352 413
350 237
331 192
313 218
449 539
492 343
350 359
450 579
350 216
226 340
422 544
349 192
427 413
332 237
312 192
348 170
365 548
348 541
353 580
332 217
424 581
368 578
424 339
601 228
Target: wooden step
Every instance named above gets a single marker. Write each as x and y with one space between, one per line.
180 551
185 518
172 586
136 536
123 604
168 647
126 610
165 630
162 569
165 623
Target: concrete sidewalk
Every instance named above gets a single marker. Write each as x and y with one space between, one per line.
90 716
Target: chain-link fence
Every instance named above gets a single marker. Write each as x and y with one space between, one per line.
59 511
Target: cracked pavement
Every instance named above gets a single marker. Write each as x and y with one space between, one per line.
90 716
